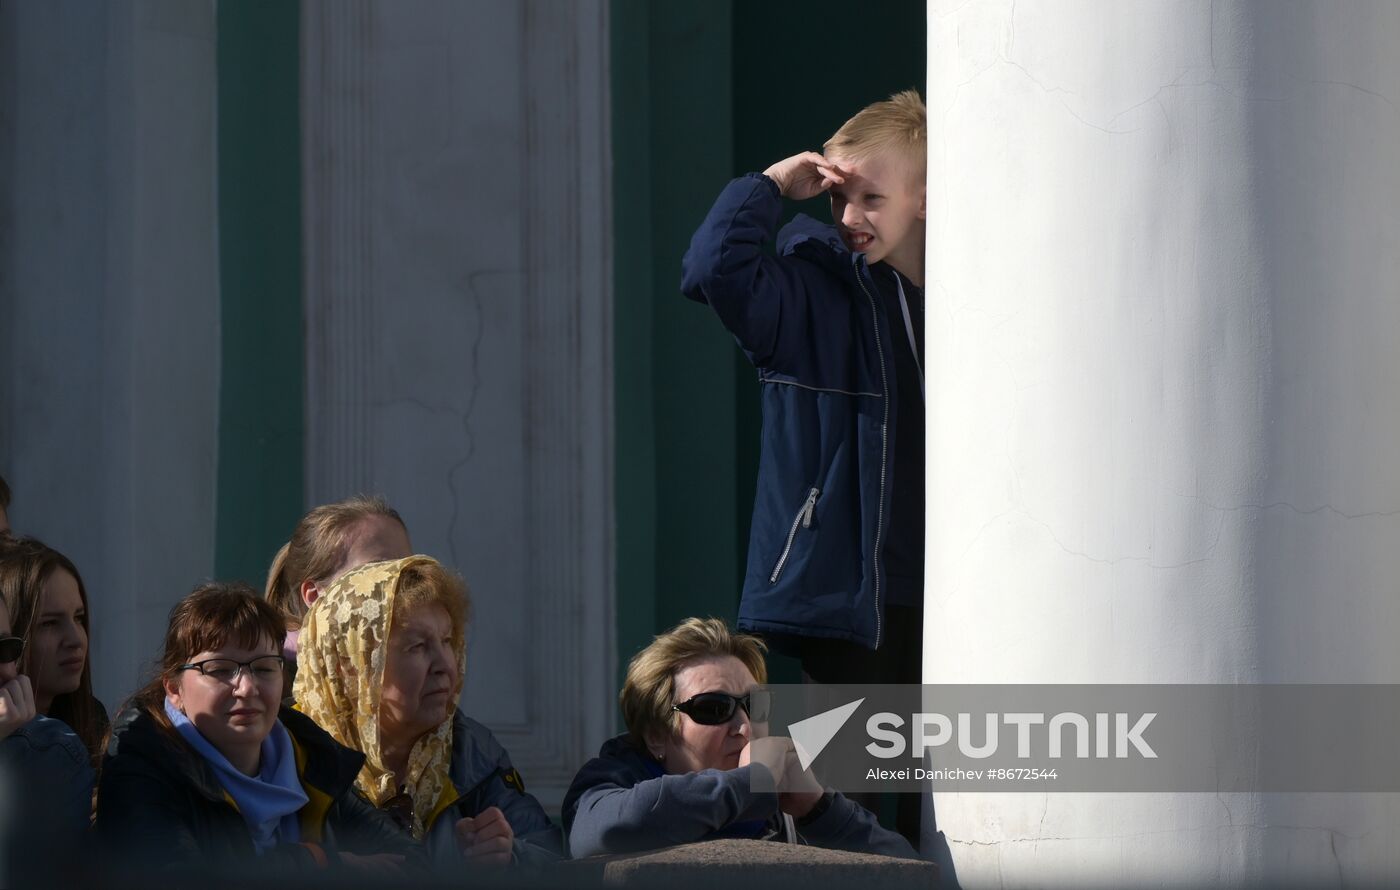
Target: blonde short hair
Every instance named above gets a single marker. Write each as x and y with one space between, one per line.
649 691
899 123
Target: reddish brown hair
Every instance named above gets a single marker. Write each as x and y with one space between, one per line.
214 614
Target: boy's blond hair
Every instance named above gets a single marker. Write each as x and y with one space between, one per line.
649 690
900 123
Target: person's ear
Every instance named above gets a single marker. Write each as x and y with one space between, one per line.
923 202
172 694
309 592
656 744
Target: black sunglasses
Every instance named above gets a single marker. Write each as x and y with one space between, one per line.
715 708
11 648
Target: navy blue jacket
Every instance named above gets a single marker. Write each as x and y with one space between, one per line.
483 776
813 324
622 802
47 777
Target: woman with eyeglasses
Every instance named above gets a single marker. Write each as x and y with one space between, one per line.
205 767
682 772
47 775
382 660
49 609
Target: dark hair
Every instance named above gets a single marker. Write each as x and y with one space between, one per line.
4 494
26 565
318 547
212 615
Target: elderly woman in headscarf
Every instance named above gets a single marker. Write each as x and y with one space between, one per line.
382 662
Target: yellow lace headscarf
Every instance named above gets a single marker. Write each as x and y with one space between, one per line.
340 679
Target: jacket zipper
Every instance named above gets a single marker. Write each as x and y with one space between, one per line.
803 519
884 448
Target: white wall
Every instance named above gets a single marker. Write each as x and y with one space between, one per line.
1164 297
109 304
459 317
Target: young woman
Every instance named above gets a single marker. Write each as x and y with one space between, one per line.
206 767
328 542
47 775
383 655
49 609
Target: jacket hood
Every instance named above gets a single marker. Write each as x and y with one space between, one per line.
622 749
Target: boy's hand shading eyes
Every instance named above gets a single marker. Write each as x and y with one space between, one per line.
805 175
16 705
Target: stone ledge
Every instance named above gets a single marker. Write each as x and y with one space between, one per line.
740 863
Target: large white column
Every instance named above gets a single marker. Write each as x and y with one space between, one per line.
1163 314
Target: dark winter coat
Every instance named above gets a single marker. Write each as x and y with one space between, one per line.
814 325
160 804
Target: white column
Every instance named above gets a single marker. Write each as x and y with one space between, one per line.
109 305
1163 308
458 307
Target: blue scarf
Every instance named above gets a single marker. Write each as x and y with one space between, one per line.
269 802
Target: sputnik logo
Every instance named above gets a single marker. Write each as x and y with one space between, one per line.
810 736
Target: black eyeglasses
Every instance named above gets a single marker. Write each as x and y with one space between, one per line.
264 668
11 648
715 708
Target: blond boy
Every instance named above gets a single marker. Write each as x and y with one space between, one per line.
834 325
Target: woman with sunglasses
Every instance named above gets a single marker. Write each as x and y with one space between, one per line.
682 771
16 692
382 657
46 772
49 609
205 767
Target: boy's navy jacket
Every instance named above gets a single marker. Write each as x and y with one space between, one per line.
813 324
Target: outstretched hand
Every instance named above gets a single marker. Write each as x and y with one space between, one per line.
805 175
485 838
16 705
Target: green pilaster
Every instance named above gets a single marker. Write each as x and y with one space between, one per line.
677 554
262 383
703 92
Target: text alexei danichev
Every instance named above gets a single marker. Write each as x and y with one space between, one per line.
918 774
